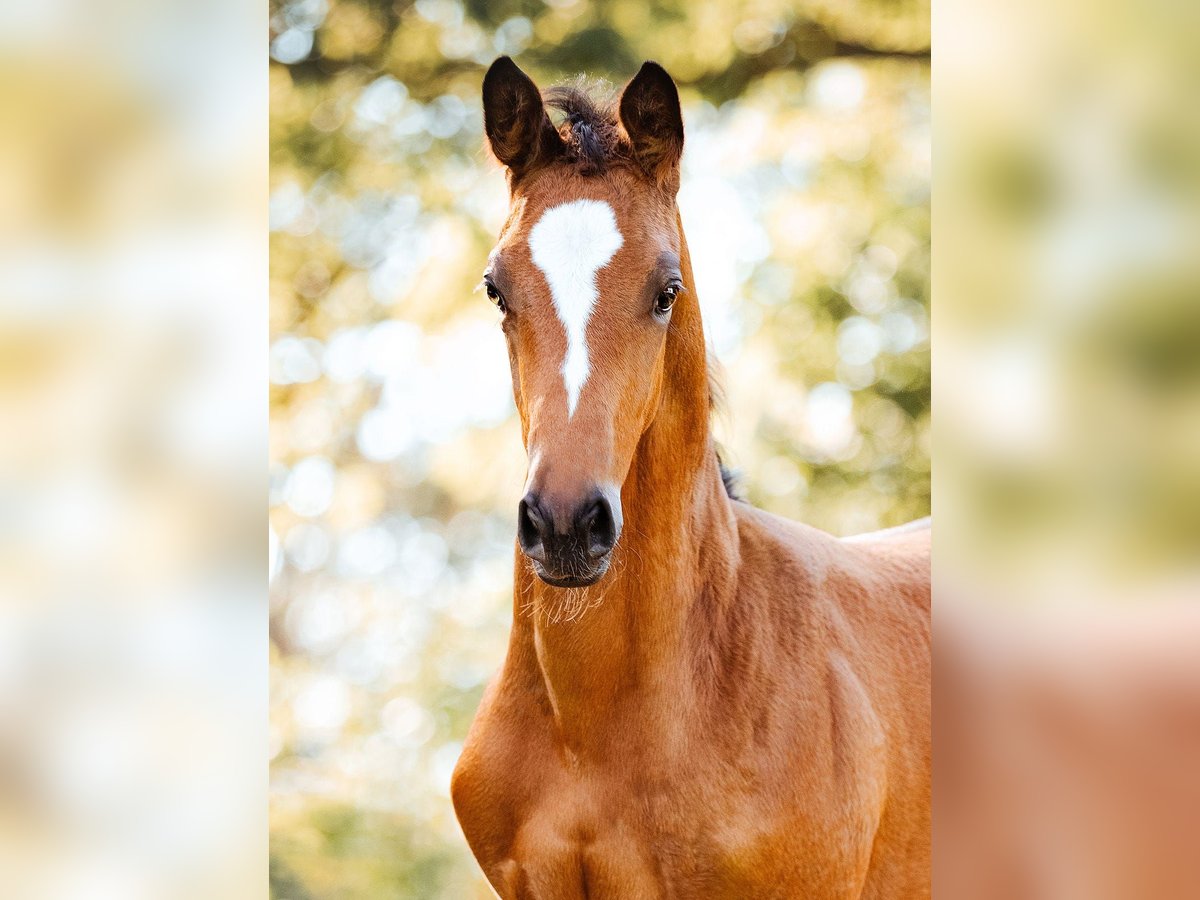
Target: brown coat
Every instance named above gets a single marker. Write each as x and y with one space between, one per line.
738 707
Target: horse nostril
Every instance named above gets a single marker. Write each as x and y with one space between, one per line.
597 528
531 526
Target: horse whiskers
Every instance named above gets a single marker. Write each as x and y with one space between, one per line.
571 606
564 605
568 605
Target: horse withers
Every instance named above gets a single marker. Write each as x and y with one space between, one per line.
699 699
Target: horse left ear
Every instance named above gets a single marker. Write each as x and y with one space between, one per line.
651 116
515 121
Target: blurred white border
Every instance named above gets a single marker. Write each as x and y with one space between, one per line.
133 333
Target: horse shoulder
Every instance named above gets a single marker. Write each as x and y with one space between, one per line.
494 778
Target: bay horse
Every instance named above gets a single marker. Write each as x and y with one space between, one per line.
699 699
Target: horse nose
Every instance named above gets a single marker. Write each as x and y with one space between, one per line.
590 530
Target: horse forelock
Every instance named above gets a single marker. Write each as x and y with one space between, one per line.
589 124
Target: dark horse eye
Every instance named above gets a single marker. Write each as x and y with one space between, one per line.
665 300
495 296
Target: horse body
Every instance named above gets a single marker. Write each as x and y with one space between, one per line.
729 704
770 739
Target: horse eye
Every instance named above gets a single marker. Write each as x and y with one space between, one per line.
495 296
666 300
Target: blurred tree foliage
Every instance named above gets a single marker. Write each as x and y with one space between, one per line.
395 463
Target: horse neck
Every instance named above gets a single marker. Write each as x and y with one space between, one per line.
626 637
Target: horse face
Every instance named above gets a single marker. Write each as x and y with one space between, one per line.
586 277
586 274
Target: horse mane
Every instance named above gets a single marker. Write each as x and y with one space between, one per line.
730 477
589 126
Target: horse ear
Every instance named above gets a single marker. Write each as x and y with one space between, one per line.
515 120
652 118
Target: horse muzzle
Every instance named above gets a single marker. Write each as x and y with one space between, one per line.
570 545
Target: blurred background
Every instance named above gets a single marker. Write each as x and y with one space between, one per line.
396 460
133 437
1067 352
1068 325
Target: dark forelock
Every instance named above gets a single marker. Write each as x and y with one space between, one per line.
589 124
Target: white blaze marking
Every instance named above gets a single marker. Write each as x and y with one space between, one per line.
570 244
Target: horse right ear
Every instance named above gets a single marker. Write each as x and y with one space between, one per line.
651 116
514 119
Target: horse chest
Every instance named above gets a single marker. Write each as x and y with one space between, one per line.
583 835
567 848
633 819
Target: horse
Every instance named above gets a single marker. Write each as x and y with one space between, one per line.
699 699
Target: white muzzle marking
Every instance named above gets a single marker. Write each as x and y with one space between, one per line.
570 244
